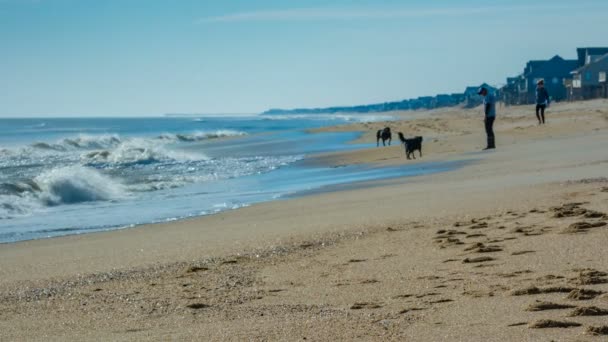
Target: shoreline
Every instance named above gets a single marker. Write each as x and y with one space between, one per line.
265 264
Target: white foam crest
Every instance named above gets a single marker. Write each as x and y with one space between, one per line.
84 141
77 184
13 206
139 151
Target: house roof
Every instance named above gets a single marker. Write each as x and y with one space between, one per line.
556 66
590 65
584 51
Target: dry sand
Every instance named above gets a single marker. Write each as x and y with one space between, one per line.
510 247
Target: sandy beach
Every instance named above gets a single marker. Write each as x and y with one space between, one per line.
509 247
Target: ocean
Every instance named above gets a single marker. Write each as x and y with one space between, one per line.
79 175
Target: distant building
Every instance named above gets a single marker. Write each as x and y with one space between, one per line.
426 102
457 98
589 81
511 92
444 100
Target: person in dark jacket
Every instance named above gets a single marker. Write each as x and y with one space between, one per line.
542 101
489 109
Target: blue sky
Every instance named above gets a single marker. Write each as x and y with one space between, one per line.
147 57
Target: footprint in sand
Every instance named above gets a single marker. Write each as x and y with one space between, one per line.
478 293
276 290
589 311
356 260
450 260
522 252
403 296
472 236
481 248
197 306
513 274
549 323
595 214
583 294
477 260
439 301
479 225
590 277
448 242
517 324
582 227
568 210
427 294
533 290
543 306
448 232
410 309
597 331
359 306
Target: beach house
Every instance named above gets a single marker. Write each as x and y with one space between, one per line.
510 92
589 80
553 71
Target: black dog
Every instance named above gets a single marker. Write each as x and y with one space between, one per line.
384 134
411 145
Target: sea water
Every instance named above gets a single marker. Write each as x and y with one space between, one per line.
77 175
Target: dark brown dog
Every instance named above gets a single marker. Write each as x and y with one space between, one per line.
384 134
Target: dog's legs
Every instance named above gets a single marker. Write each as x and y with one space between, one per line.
420 151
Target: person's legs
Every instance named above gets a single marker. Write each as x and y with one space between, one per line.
542 113
538 114
489 123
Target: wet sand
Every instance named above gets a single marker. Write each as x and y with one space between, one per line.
509 247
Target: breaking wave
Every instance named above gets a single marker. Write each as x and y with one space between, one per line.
82 142
67 185
137 151
199 136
